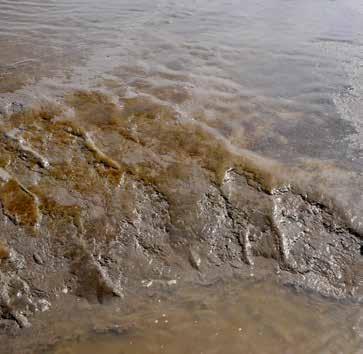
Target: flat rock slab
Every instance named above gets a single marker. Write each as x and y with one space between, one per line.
111 198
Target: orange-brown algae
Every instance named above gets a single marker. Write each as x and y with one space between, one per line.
18 204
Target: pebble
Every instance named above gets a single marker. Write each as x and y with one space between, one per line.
195 259
44 305
37 258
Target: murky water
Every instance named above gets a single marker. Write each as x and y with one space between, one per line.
258 318
283 78
174 94
280 78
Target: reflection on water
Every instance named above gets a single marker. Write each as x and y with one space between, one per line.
259 318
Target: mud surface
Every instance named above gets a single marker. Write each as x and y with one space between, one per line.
112 197
134 160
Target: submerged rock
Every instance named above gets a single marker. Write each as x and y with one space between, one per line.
133 193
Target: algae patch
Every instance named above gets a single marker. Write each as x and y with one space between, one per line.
19 204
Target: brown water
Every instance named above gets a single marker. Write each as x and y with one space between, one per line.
257 318
174 93
283 78
280 78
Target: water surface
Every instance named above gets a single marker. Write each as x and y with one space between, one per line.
283 78
268 79
256 318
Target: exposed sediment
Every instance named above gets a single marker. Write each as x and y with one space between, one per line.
112 197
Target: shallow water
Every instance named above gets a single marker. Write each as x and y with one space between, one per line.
283 78
173 95
279 78
258 318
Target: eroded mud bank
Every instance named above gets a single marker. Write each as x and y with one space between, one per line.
100 197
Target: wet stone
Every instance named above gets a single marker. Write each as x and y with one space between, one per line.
195 259
133 196
38 259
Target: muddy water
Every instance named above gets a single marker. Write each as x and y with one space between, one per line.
258 318
155 142
282 78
